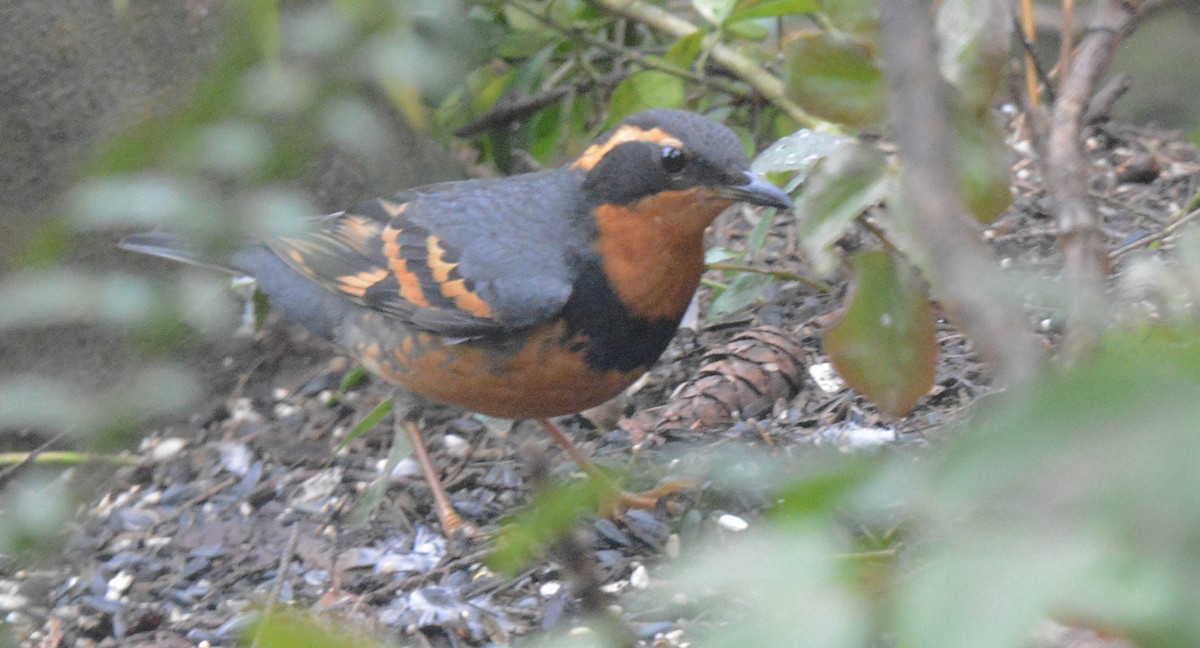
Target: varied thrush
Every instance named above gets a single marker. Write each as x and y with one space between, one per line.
531 296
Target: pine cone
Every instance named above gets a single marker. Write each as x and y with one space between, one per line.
740 379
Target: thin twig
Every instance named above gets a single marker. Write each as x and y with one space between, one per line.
643 60
1028 36
60 457
506 112
782 275
768 85
1036 78
1157 236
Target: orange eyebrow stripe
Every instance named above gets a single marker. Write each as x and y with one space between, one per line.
596 152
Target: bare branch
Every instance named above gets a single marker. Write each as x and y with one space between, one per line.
1066 172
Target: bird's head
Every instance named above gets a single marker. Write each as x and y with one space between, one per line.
673 156
652 185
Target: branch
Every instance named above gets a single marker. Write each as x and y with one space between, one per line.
768 85
506 112
956 261
1066 173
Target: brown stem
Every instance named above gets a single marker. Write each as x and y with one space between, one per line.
1066 173
956 261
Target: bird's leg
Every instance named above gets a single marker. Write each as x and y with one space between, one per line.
644 500
406 413
452 524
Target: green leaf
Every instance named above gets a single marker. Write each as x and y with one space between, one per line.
643 90
36 515
714 11
789 588
836 77
984 162
885 345
746 31
553 512
854 16
368 422
746 289
684 51
974 37
521 20
799 151
290 630
755 9
758 236
1052 506
825 484
849 181
353 379
718 254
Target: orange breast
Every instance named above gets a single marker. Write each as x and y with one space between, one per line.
535 375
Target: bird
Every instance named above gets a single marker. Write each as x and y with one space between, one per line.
524 297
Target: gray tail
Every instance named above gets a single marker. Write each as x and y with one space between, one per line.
171 246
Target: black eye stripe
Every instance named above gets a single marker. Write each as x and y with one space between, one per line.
673 159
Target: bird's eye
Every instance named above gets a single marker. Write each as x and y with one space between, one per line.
672 159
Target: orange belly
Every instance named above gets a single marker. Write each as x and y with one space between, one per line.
537 375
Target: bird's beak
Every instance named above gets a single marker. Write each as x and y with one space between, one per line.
757 191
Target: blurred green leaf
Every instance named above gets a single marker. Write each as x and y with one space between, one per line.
285 629
797 153
745 30
27 401
885 345
354 125
42 298
104 419
34 515
141 200
234 149
1078 497
789 588
643 90
714 11
856 16
755 9
746 289
974 37
825 482
718 254
522 20
984 162
683 52
552 513
368 422
318 29
758 235
275 91
852 178
836 77
354 379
